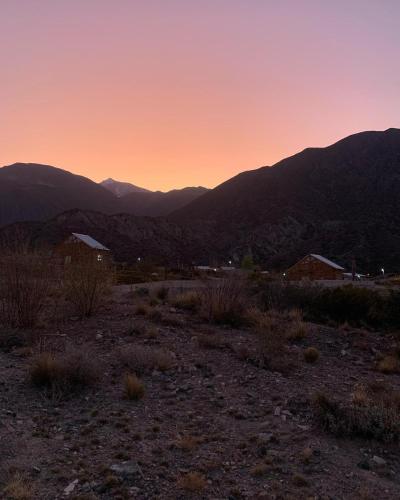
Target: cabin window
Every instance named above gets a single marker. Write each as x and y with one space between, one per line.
99 257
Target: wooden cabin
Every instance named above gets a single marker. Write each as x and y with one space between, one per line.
315 267
79 247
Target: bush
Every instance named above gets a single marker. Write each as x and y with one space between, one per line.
373 411
63 374
142 359
162 293
311 354
26 281
344 304
87 282
18 488
271 331
189 300
389 364
224 301
133 387
192 481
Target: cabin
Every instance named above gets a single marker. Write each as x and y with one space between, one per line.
78 247
314 267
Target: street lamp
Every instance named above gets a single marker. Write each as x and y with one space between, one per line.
383 271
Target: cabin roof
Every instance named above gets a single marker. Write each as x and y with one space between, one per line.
327 261
90 242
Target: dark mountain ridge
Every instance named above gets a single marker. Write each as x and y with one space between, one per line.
31 191
341 201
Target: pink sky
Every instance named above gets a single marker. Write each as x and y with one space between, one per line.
171 93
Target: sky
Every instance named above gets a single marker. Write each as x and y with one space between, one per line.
174 93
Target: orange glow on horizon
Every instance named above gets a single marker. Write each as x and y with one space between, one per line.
194 93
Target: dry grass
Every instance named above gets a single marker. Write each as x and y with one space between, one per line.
192 481
189 300
63 374
133 387
188 443
297 329
18 488
311 355
87 283
300 481
142 310
26 281
272 340
143 359
389 364
224 302
259 470
373 411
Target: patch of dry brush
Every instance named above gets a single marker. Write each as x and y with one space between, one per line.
63 373
373 411
143 359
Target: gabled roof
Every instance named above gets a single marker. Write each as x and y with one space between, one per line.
90 242
327 261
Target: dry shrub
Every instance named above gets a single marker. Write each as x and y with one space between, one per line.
18 488
161 293
297 329
63 374
192 481
26 280
189 300
142 310
272 339
224 301
188 443
311 354
373 411
87 282
133 387
143 359
389 364
259 470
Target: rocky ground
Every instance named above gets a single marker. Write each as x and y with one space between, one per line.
213 425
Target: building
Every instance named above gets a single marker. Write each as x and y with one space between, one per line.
82 247
315 267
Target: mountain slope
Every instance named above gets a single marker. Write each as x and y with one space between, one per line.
121 188
36 192
158 203
339 201
127 236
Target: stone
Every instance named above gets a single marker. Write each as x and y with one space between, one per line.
265 437
70 488
378 460
126 469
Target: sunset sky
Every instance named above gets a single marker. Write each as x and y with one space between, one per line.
171 93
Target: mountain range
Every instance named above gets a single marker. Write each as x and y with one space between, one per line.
31 191
340 201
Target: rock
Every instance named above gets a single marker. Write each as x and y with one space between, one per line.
70 488
378 461
126 469
265 437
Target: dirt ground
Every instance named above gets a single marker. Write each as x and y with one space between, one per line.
246 431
